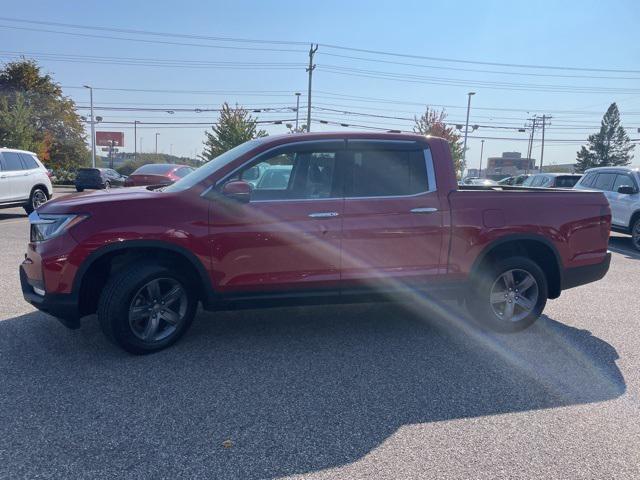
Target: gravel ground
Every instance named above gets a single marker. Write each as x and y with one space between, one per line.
364 391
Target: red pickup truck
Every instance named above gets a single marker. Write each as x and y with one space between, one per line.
310 218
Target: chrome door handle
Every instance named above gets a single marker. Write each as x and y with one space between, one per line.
323 214
424 210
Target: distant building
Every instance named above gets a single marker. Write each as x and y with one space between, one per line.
472 172
509 164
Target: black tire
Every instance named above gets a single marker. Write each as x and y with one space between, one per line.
635 234
38 197
79 189
116 304
489 282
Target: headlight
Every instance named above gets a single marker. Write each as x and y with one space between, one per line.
46 226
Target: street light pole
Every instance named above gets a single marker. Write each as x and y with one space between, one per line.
93 128
297 109
466 131
157 143
481 150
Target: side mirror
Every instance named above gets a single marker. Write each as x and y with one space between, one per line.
238 190
626 190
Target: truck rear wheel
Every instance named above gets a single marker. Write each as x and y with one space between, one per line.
146 307
509 295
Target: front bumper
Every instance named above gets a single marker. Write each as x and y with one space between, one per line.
574 277
62 306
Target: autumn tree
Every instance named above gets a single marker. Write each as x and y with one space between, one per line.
432 122
35 115
610 146
234 127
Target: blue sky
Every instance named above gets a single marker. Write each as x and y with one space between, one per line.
584 34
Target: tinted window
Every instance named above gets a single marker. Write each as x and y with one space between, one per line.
623 180
382 173
28 161
567 181
604 181
11 161
290 174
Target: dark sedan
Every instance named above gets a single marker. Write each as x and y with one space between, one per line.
157 174
98 179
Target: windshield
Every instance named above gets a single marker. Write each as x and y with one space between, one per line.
210 167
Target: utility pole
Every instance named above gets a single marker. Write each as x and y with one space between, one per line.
312 67
533 121
466 131
135 140
297 108
481 150
544 121
93 128
157 143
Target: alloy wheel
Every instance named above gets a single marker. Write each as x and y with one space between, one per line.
514 295
635 235
38 198
158 309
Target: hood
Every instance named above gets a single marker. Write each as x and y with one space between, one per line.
85 201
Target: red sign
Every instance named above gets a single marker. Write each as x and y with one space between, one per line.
106 139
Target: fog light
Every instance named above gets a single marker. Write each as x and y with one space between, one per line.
38 291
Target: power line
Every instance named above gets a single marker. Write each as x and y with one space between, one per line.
296 43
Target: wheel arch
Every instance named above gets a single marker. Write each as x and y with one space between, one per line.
535 247
99 265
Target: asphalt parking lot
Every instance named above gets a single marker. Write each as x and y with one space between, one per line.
363 391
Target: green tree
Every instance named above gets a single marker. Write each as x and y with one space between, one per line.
432 122
610 146
234 127
16 126
48 120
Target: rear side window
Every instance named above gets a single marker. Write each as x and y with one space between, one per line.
29 162
11 161
588 179
183 172
386 173
604 181
154 169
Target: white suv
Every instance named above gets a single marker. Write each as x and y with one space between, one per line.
621 187
24 182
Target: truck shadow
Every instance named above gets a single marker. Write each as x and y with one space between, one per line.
623 246
295 389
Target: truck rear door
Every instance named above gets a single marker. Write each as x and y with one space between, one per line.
392 228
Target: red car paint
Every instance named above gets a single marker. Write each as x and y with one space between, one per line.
275 246
160 174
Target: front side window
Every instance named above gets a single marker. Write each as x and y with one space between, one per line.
386 173
567 181
11 161
292 175
623 180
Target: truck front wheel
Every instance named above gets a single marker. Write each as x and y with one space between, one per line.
509 295
146 307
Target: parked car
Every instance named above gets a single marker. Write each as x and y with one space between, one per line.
514 181
157 174
483 182
552 180
98 179
363 216
621 187
24 181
